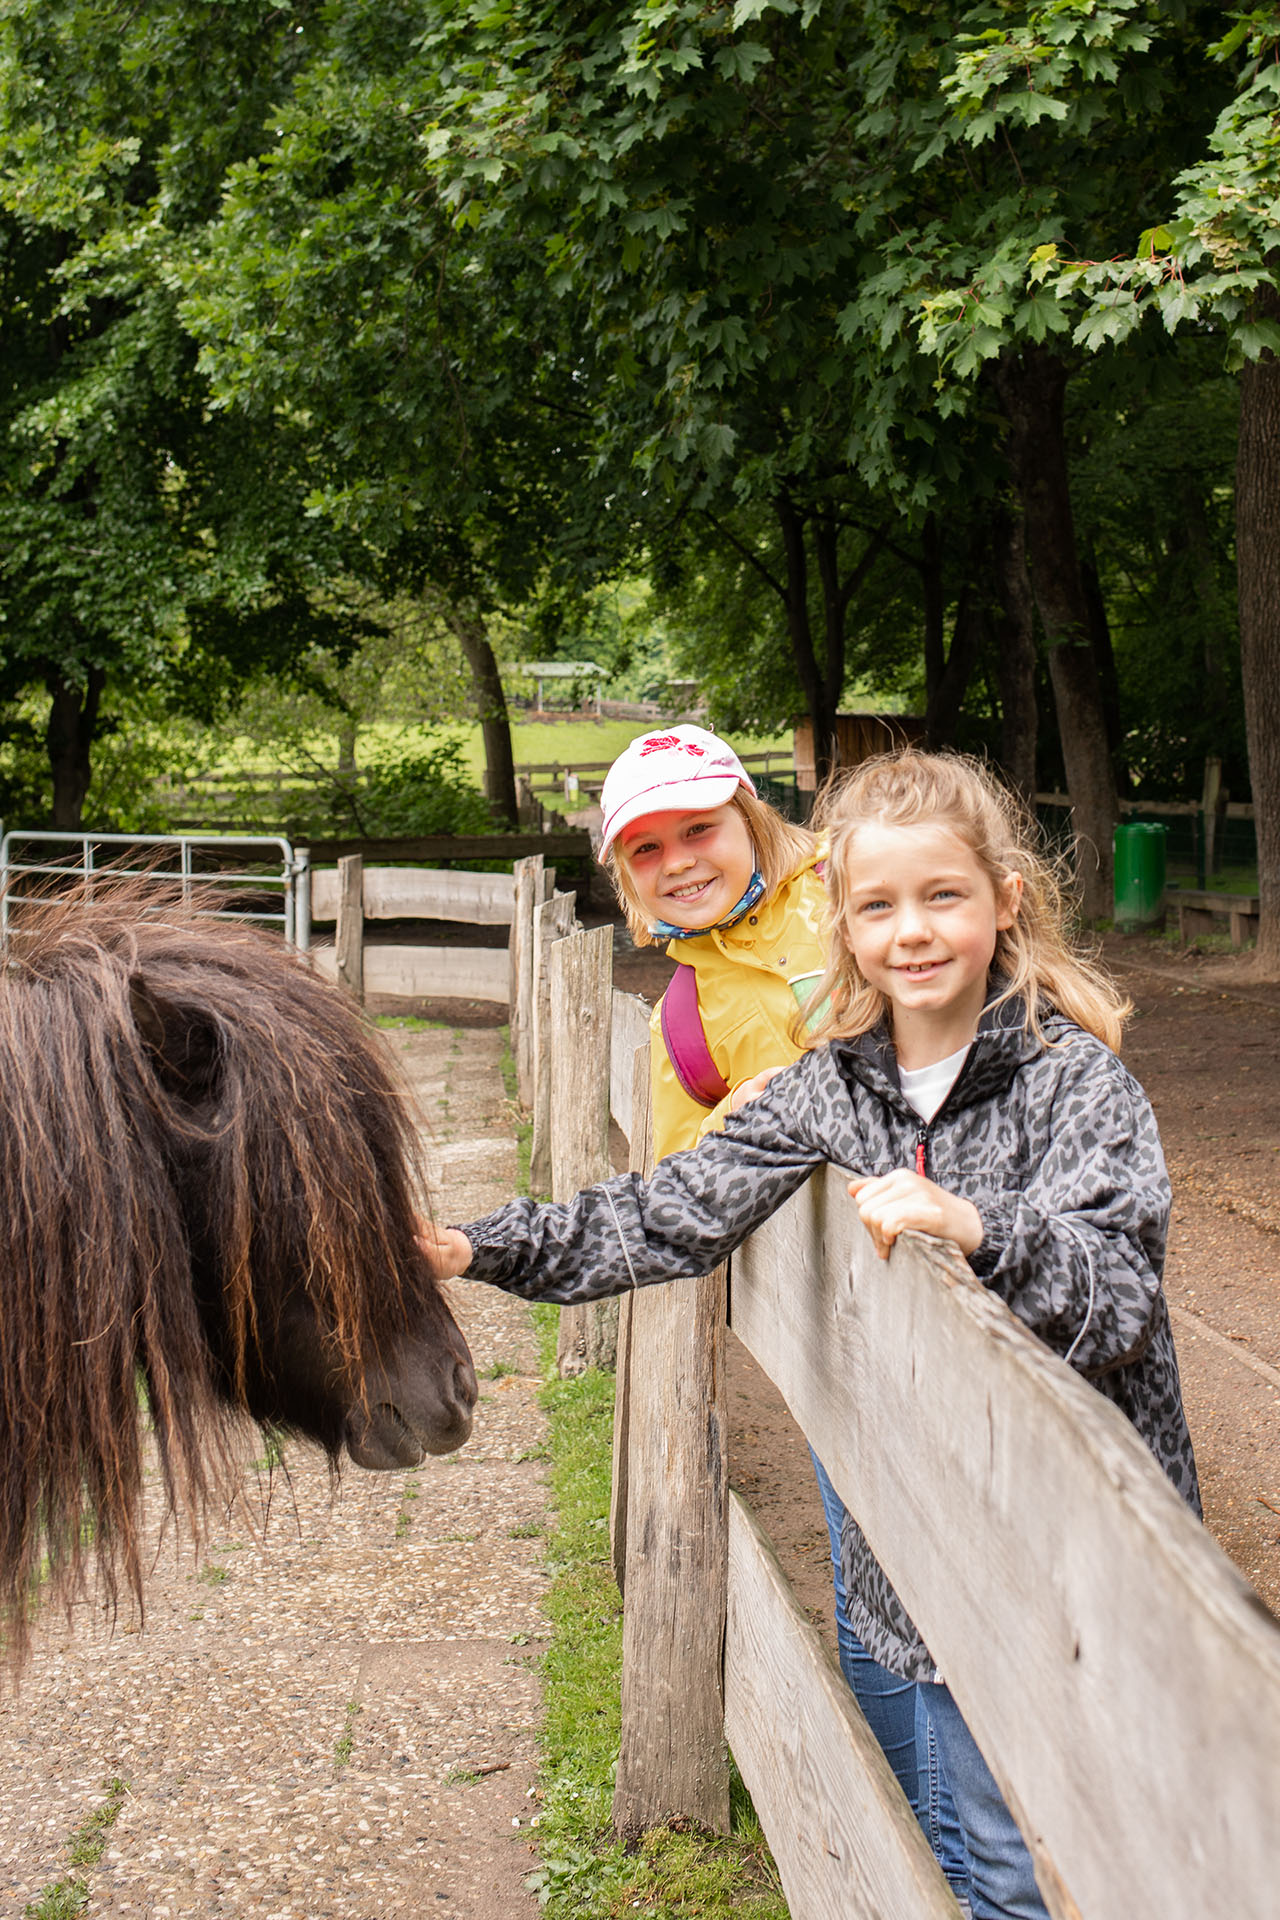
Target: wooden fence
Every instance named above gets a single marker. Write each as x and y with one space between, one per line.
354 893
1120 1675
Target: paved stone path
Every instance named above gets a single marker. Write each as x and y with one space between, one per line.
332 1716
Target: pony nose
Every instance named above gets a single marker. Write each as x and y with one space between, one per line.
465 1386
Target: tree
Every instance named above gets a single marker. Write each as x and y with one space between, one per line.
443 399
686 181
1002 135
788 221
124 506
1209 256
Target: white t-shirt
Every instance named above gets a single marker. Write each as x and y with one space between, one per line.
927 1087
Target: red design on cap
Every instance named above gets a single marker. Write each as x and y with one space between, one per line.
664 742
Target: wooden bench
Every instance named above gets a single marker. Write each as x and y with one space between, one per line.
1202 911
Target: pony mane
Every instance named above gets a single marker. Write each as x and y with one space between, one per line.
194 1128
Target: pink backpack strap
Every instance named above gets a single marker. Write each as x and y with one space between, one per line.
686 1041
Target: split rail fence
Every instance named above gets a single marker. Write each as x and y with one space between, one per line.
1120 1675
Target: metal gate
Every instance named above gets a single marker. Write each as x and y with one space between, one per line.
264 863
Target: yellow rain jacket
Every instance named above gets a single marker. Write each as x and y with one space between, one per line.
746 998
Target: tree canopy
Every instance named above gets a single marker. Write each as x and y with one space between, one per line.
826 315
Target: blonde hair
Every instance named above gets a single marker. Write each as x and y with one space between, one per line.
1035 954
780 847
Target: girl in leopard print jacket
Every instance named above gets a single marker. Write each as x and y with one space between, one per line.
963 1071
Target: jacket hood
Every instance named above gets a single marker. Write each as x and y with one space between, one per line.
1002 1044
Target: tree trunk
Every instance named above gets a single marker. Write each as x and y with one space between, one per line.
1031 386
1258 563
1193 533
1016 645
935 608
73 719
1104 657
948 669
821 707
491 705
946 701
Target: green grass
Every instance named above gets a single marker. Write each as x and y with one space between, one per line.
585 1874
1227 880
409 1023
67 1898
523 1124
272 1455
344 1744
578 741
411 1492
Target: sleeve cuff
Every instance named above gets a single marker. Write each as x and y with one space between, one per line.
997 1225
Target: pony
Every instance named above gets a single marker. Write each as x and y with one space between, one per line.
209 1197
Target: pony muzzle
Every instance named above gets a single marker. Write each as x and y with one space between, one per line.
391 1432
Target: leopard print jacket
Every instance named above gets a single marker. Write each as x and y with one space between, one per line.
1055 1145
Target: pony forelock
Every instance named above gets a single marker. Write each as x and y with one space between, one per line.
195 1129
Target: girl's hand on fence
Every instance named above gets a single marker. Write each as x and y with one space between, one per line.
751 1089
905 1202
448 1250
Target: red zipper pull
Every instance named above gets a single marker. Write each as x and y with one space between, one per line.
921 1160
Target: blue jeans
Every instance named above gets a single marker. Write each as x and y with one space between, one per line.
891 1708
1002 1880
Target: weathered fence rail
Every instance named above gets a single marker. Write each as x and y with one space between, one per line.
354 893
433 849
1121 1676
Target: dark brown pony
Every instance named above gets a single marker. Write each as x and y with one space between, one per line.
208 1192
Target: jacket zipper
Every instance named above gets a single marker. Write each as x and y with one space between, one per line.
922 1157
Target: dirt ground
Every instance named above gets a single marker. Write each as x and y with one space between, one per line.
1205 1043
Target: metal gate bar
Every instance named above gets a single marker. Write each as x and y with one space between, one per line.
293 879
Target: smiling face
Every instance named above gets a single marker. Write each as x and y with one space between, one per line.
689 869
921 922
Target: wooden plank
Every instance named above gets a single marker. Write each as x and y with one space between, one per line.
427 973
1121 1677
630 1029
552 920
554 768
1211 900
422 893
570 843
672 1761
640 1159
841 1831
527 897
349 945
581 971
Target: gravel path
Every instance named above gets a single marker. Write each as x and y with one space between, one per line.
330 1716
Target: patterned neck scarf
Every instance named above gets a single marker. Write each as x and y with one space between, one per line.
754 892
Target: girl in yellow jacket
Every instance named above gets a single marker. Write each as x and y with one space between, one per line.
699 860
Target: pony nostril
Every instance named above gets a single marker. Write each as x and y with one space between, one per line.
465 1380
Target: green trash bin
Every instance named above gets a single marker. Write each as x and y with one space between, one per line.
1139 874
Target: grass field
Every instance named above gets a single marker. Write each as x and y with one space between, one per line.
573 740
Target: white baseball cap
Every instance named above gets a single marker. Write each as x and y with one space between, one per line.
673 770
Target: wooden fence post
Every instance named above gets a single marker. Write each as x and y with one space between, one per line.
581 971
674 1761
349 940
527 874
552 920
640 1159
670 1537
